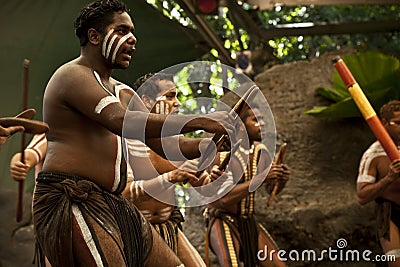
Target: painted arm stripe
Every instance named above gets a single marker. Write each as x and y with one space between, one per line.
104 102
366 179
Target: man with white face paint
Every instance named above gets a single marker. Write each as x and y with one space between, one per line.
79 214
152 190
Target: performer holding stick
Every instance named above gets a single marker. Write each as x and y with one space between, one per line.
233 232
378 177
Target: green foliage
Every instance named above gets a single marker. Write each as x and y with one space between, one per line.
306 47
288 49
377 74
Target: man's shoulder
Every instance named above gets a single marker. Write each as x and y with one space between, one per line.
70 71
375 150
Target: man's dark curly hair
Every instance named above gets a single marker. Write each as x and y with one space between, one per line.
388 109
151 88
97 15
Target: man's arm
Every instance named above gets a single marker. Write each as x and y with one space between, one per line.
367 191
136 189
34 153
77 87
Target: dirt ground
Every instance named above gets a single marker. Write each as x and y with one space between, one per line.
318 205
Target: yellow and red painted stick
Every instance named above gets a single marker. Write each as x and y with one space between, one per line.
366 109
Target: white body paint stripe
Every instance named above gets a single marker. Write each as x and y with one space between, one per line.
104 102
103 49
87 235
121 41
110 46
117 178
394 252
374 151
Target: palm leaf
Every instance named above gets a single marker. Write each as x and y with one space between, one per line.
377 74
347 108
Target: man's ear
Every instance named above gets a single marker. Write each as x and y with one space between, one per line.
93 36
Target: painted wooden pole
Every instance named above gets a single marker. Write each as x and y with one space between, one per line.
366 109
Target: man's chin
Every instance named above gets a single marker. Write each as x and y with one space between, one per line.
122 66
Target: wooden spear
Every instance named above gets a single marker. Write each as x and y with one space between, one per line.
24 107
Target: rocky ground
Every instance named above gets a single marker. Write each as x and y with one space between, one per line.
318 205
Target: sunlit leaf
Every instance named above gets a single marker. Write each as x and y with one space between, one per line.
347 108
377 74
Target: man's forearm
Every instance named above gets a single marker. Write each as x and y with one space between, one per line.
373 191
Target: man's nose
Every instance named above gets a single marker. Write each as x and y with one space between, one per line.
132 40
177 103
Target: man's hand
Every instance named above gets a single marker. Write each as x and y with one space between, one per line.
394 170
218 122
18 169
279 174
206 178
185 172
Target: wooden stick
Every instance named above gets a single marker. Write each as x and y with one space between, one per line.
279 159
24 107
366 110
219 137
222 166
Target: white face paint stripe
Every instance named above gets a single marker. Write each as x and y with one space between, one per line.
159 98
104 102
121 41
162 107
110 44
158 108
103 49
87 235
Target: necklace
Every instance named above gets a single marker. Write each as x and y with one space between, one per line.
247 151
